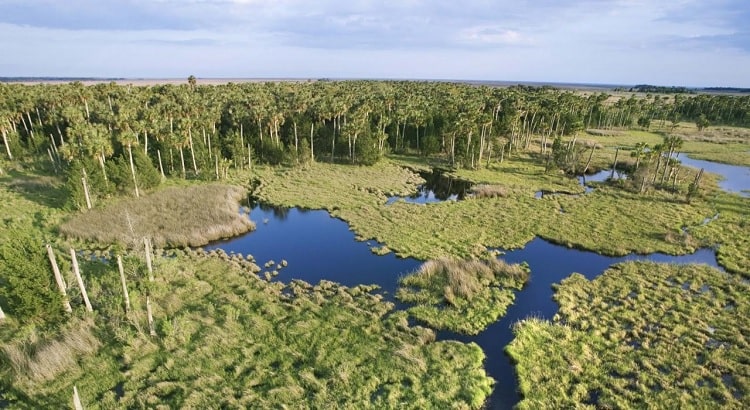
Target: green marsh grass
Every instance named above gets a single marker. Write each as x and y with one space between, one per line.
461 295
640 335
610 220
227 339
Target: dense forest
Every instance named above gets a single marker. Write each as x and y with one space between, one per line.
122 138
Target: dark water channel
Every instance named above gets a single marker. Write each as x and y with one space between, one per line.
317 246
438 187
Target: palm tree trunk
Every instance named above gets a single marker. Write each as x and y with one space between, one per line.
312 141
161 168
192 152
182 162
132 171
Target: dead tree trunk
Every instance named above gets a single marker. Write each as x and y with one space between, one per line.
591 155
58 278
161 168
86 190
124 284
79 279
2 315
132 171
614 165
76 399
147 248
151 329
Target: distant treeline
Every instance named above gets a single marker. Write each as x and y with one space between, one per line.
730 90
647 88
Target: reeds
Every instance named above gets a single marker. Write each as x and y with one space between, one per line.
172 217
461 295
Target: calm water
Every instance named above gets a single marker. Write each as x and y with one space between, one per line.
317 246
438 187
735 178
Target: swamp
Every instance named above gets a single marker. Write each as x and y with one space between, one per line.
372 244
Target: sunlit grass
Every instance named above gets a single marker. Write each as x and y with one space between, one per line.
461 295
225 338
640 335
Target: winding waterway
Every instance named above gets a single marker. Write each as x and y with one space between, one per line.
317 246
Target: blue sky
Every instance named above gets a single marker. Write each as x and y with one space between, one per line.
665 42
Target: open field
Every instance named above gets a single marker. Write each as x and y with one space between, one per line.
640 335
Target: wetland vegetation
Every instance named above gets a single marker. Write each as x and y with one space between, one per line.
92 170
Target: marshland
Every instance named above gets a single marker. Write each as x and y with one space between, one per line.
372 244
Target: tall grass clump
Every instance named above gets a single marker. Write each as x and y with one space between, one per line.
185 216
40 359
461 295
489 191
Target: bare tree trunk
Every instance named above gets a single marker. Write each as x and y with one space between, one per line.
296 140
312 142
145 142
210 154
58 278
7 147
151 329
192 152
124 284
161 168
588 162
79 279
132 171
249 158
76 399
216 167
614 165
86 190
182 162
147 249
2 315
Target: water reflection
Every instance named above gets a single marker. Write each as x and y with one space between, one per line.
438 187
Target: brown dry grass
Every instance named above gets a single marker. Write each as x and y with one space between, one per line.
41 360
190 216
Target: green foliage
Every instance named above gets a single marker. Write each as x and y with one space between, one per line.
702 122
29 293
644 122
147 174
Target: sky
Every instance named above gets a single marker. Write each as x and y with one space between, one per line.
664 42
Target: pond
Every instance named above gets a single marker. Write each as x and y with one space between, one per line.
438 187
317 246
735 178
